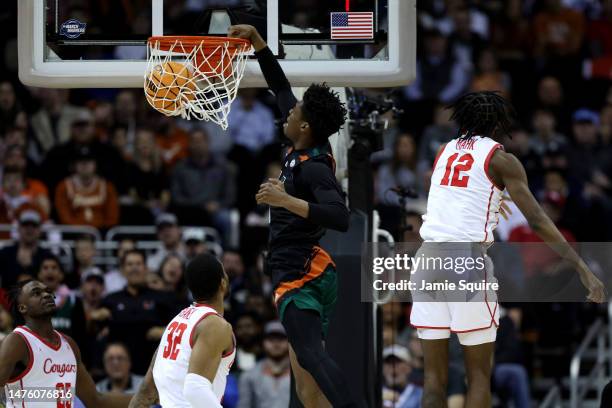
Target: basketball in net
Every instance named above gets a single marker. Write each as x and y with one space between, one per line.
195 77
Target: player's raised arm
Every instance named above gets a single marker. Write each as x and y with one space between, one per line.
205 359
86 388
13 350
508 171
271 69
147 392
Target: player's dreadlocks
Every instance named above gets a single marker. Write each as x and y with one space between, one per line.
482 113
13 298
323 111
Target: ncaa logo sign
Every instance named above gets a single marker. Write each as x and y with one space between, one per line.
72 28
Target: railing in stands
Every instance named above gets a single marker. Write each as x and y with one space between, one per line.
580 386
552 399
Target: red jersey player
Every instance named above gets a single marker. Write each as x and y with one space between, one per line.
191 364
40 367
470 175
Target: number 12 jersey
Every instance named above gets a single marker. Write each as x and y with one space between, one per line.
463 203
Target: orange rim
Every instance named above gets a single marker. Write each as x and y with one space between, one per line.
164 43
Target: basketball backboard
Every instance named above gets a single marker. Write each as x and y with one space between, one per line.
93 43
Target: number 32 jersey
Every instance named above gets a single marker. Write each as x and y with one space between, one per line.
463 203
174 352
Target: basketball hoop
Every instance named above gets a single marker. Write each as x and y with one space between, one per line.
193 76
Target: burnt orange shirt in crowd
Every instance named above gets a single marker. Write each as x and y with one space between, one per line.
560 33
94 205
173 146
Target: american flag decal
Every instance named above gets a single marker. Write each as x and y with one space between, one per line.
352 25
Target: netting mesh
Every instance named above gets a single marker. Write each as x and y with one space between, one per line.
194 77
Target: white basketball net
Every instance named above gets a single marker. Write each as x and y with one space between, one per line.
202 91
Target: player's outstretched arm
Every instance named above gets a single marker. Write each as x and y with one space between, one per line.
147 392
507 170
213 336
86 388
273 73
13 350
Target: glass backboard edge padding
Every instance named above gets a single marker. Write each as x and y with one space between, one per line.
399 70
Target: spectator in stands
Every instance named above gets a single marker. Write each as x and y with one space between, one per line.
69 317
85 198
538 259
52 124
126 116
551 96
138 314
147 191
172 277
114 280
103 120
155 282
9 105
196 191
599 34
194 243
169 234
85 252
96 318
401 173
397 390
248 341
558 30
584 155
267 385
510 34
14 198
511 380
58 162
23 258
466 44
172 141
440 76
435 135
545 135
15 157
235 269
251 123
117 367
489 76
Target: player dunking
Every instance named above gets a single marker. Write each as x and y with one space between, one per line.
191 364
303 202
39 367
469 178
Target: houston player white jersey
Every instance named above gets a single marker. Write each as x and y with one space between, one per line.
49 380
463 203
174 352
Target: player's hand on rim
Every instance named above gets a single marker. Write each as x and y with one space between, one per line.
247 32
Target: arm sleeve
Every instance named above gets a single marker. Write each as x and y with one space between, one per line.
198 391
277 81
329 210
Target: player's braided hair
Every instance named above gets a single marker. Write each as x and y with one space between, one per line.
13 300
323 111
482 113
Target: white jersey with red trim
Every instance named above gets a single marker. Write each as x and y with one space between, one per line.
463 203
50 375
174 352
